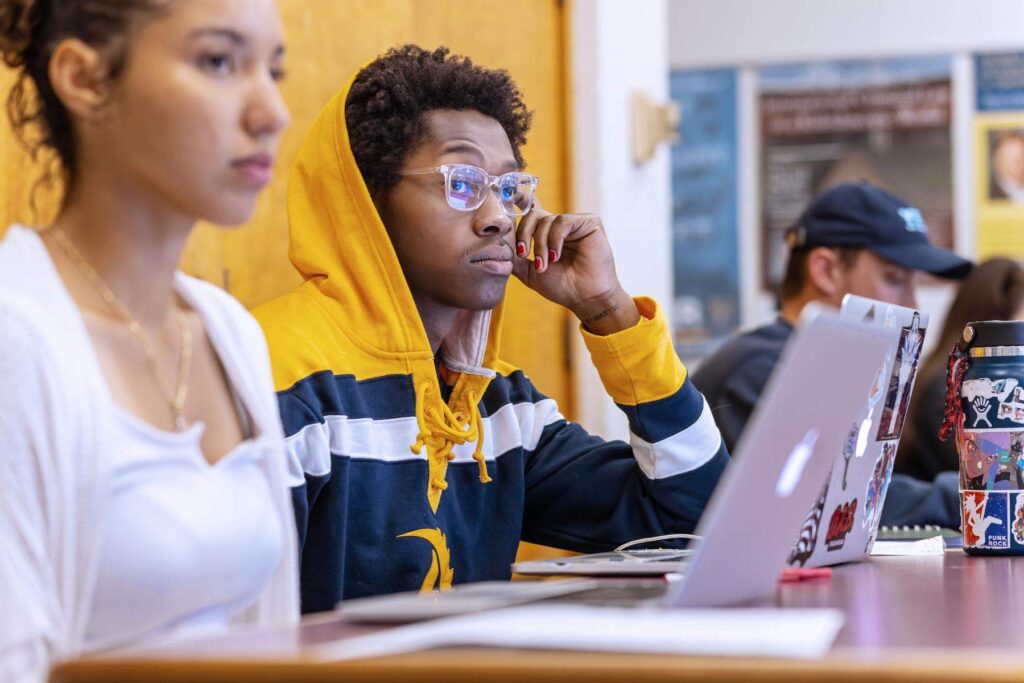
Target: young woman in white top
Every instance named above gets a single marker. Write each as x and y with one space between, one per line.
143 483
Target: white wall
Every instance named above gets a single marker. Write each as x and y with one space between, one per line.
734 32
619 47
749 33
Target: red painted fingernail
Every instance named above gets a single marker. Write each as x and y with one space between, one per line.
520 248
552 256
536 263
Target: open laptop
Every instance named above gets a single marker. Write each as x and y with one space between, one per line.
785 454
843 523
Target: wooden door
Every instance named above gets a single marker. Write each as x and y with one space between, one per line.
328 40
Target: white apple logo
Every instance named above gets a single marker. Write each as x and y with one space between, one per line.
791 472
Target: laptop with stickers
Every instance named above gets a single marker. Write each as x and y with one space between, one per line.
748 528
843 523
781 459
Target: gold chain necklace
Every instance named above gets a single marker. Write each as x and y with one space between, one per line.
177 402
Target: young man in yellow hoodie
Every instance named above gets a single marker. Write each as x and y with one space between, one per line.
426 457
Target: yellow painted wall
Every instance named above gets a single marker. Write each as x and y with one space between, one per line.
327 41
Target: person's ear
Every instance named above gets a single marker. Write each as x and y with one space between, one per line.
79 76
825 274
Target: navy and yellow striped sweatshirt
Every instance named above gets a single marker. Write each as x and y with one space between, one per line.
411 485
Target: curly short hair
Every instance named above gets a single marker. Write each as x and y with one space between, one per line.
386 106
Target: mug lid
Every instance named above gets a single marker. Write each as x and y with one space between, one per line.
985 333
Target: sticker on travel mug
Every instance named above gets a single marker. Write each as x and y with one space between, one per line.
985 520
992 460
1017 523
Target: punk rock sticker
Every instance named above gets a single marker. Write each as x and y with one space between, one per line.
985 520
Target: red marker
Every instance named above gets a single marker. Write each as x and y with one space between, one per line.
796 574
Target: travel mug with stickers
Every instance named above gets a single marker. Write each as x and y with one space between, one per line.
986 373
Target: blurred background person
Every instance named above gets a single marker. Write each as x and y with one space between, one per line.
854 238
993 291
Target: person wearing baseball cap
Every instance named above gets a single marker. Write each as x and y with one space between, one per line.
854 238
861 215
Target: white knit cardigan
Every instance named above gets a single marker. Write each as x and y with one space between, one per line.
55 411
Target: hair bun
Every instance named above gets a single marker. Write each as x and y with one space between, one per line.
17 19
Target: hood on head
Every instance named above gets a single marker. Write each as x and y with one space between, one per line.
339 245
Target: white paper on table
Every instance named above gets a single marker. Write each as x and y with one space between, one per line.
926 546
803 633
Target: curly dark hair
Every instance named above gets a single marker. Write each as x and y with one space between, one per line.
388 100
30 30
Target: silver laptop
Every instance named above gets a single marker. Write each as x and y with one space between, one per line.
843 523
786 452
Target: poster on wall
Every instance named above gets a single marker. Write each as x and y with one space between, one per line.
999 154
704 211
886 121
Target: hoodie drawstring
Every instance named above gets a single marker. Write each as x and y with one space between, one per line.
442 429
478 422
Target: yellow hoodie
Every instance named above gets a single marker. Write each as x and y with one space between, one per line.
391 456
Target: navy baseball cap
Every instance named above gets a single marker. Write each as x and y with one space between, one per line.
862 215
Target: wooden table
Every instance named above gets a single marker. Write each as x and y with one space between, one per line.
951 618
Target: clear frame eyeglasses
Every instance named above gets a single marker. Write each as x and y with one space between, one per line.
465 188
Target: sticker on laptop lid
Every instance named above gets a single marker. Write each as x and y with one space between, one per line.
849 448
881 475
840 525
808 538
897 396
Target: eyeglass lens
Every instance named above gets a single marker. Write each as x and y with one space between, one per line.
467 188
